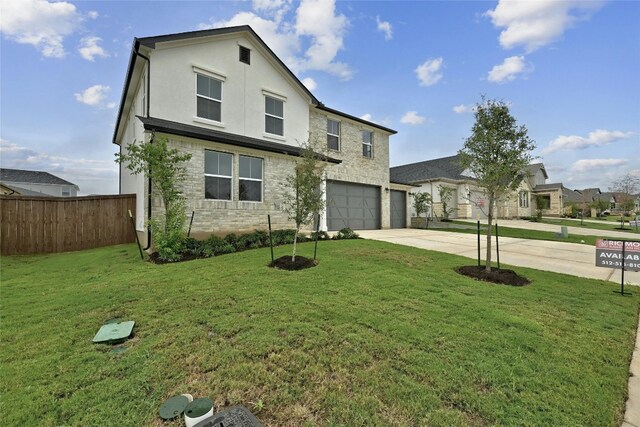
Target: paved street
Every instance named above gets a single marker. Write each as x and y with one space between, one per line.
568 258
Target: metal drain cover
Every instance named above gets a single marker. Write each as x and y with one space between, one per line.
236 416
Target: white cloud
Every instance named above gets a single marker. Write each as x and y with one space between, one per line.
429 71
587 165
508 70
39 23
366 117
93 14
94 96
597 138
412 118
534 24
91 175
89 48
462 108
316 26
385 27
309 83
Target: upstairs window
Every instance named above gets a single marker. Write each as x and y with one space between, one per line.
217 175
209 98
245 55
250 179
274 116
333 135
367 143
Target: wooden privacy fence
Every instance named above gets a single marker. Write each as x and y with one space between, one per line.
33 225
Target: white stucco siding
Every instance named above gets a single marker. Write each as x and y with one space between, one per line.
173 87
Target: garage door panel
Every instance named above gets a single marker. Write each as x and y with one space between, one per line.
351 205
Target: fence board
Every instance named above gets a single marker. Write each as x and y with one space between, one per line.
30 225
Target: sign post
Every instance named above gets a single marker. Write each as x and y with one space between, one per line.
618 254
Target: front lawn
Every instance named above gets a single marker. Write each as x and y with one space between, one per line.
377 334
520 233
591 224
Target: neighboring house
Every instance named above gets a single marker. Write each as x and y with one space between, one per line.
224 97
468 200
32 183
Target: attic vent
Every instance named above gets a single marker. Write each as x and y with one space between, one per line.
245 55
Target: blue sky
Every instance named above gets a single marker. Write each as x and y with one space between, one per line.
570 71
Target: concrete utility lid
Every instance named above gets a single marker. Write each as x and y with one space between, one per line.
113 333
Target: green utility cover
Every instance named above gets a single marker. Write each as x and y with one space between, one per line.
112 333
173 407
198 407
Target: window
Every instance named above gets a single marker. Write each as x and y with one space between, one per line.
66 193
217 175
333 135
545 202
367 143
250 179
274 116
209 98
524 199
245 55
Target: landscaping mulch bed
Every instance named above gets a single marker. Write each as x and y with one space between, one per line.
154 258
285 263
500 276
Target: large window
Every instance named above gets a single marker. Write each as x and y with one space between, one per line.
367 143
217 175
274 116
209 98
545 202
250 179
524 199
333 134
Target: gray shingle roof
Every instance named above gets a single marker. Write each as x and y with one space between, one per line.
445 167
533 168
552 186
571 196
35 177
23 191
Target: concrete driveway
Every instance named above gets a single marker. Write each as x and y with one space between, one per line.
559 257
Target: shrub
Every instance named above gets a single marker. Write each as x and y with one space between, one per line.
257 239
346 233
321 235
169 243
219 246
283 237
232 239
197 248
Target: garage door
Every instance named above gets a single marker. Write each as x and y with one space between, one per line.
478 205
350 205
398 209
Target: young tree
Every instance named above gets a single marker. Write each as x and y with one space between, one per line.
540 202
421 203
305 199
600 205
626 187
445 194
497 154
166 168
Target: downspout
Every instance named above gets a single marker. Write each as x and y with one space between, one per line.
150 142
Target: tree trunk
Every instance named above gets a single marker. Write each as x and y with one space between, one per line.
489 227
295 242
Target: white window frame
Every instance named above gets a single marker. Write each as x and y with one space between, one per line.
333 134
206 119
261 180
370 143
219 176
284 102
524 199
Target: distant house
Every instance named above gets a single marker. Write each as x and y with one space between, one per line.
468 199
35 183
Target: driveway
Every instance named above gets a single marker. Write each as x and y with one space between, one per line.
559 257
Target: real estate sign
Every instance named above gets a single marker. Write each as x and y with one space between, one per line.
609 254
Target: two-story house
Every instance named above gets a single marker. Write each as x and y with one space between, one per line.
224 97
35 183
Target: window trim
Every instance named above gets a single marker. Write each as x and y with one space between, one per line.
523 197
230 177
370 143
333 134
276 98
196 116
261 180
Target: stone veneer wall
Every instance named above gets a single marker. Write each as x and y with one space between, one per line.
355 167
222 217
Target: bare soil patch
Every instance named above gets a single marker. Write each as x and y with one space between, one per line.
285 263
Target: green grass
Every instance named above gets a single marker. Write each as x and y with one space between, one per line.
522 233
376 334
604 225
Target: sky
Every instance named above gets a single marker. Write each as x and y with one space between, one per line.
570 71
